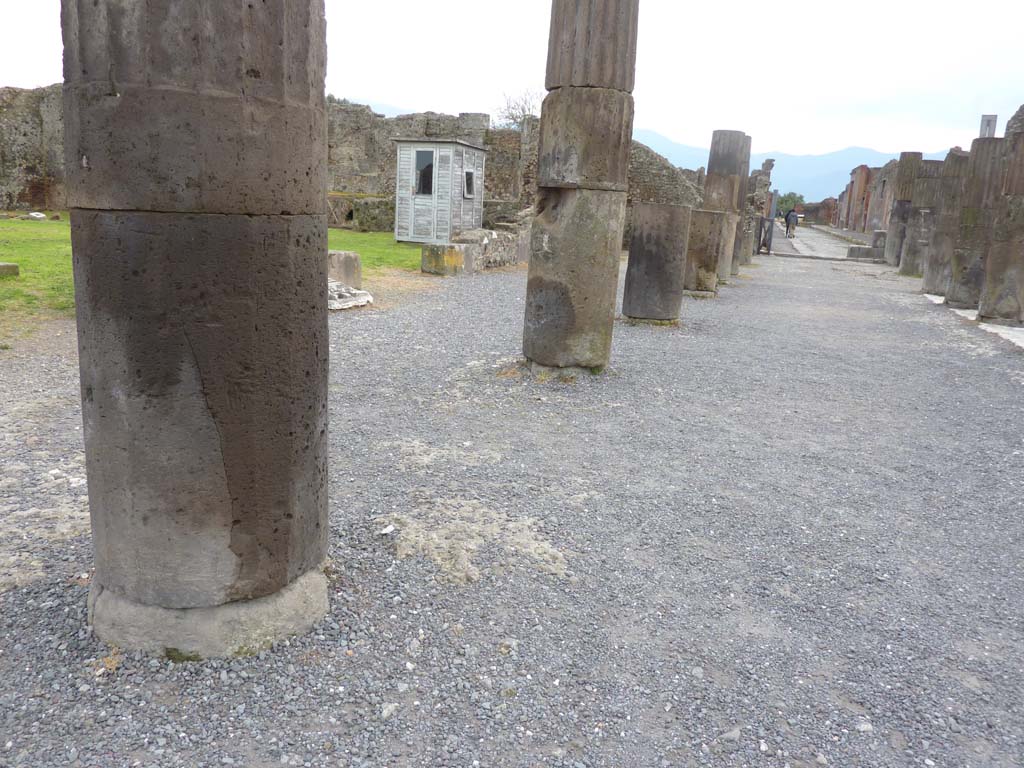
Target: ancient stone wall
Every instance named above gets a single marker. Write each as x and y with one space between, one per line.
32 149
361 160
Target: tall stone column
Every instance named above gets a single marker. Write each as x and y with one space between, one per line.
946 225
657 262
585 137
744 238
903 193
981 191
1002 292
196 158
722 194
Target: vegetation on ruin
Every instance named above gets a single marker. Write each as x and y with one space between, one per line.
44 288
378 250
789 201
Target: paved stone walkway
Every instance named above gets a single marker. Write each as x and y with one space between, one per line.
787 533
809 242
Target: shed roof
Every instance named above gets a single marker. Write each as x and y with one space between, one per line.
437 140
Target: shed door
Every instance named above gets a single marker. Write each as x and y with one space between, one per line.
424 192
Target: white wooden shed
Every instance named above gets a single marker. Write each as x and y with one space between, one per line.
439 189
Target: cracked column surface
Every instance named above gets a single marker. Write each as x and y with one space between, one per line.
196 152
903 192
1002 292
981 191
584 142
722 188
657 262
938 265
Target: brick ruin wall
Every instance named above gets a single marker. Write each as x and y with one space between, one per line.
32 149
361 160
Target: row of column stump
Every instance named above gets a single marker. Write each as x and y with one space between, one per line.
676 251
196 151
962 229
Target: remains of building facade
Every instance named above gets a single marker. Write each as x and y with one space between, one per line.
982 188
924 202
1002 292
945 223
903 192
584 149
206 457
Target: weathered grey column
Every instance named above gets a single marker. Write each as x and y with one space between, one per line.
924 203
903 192
722 192
744 238
657 262
946 224
586 131
1002 293
981 191
712 234
196 152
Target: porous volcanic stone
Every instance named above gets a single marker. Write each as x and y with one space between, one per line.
712 234
196 149
977 217
1002 293
585 139
570 300
657 262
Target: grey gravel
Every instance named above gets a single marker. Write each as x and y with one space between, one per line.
797 514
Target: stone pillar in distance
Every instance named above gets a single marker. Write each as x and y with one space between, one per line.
196 157
946 223
903 193
744 234
981 191
917 238
712 235
657 262
1002 292
585 138
722 193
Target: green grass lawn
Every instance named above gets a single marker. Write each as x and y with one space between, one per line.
42 249
377 249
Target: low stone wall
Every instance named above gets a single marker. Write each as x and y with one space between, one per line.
362 213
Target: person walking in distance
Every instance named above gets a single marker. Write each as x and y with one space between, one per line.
791 221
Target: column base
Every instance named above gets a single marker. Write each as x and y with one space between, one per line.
190 634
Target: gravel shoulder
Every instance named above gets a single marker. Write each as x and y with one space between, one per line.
786 533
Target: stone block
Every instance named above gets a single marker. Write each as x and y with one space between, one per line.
488 248
585 139
196 107
657 262
9 270
865 253
445 260
345 267
203 356
711 240
576 246
593 44
878 238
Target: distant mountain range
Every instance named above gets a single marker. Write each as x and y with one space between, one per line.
813 176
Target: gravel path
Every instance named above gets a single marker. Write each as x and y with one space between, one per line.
787 533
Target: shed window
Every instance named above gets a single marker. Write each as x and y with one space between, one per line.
469 190
424 172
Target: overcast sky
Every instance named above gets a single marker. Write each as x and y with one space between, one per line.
805 78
